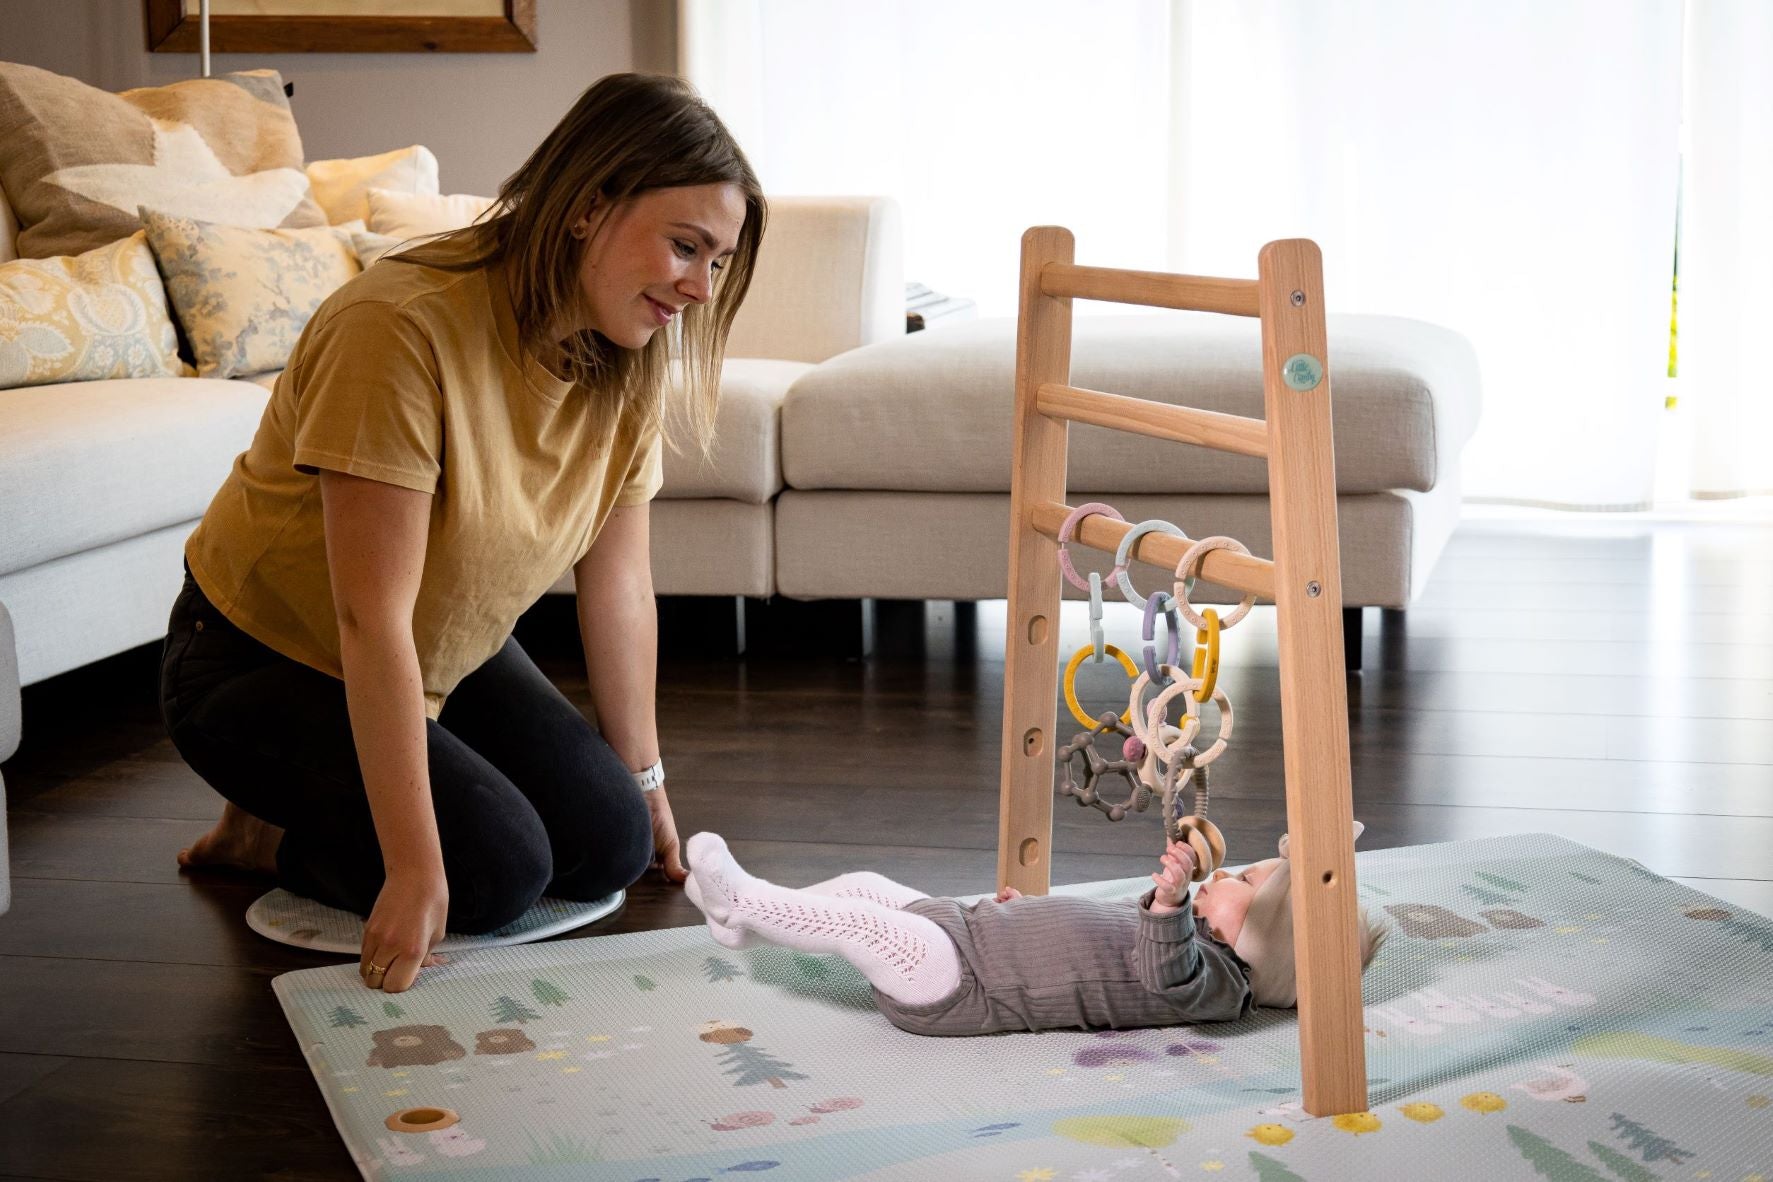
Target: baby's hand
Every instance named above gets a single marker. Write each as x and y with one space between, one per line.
1005 894
1172 881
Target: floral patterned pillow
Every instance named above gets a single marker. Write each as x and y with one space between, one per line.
243 296
96 315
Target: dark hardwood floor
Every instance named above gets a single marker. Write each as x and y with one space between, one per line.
1608 680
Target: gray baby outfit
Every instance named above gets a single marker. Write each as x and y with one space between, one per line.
1054 961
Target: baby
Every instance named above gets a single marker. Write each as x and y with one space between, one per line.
1047 962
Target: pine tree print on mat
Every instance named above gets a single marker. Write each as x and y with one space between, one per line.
1550 1162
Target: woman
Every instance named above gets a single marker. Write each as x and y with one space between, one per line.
457 426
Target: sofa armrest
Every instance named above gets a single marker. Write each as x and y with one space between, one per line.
830 278
10 715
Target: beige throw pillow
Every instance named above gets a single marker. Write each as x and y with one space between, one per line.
77 162
243 296
410 215
342 186
95 316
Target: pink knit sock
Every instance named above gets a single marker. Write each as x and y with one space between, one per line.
906 957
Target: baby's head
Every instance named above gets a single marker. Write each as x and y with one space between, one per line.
1251 912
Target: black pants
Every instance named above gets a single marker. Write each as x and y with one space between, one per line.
529 798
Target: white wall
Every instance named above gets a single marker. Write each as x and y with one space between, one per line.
481 113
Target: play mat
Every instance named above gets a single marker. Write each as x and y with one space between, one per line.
1542 1010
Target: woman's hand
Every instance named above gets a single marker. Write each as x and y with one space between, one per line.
405 925
668 854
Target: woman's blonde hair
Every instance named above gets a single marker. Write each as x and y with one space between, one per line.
627 134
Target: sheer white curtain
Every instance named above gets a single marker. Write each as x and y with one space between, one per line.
1726 310
1504 167
982 118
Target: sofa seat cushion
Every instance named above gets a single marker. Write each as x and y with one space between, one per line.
746 463
932 412
88 463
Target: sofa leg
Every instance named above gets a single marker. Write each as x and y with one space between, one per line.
1351 639
841 628
706 625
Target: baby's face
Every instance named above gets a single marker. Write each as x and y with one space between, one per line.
1224 899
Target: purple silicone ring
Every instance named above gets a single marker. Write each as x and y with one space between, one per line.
1173 625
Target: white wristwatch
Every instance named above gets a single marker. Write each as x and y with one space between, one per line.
651 779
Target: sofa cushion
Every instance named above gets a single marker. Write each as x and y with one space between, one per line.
77 161
88 463
932 412
243 296
746 463
83 318
341 187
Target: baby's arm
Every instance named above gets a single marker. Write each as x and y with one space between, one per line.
1172 881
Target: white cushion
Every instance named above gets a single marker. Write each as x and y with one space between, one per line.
412 215
87 463
830 277
932 412
746 463
341 187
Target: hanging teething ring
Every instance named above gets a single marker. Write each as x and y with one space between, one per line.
1076 663
1146 727
1170 752
1207 842
1123 555
1206 655
1070 526
1189 567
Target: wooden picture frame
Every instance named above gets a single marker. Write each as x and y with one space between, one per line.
171 30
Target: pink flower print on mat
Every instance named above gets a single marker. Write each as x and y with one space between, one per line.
742 1120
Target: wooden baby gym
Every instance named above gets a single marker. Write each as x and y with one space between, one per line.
1303 580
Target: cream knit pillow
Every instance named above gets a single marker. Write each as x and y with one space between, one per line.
342 186
411 215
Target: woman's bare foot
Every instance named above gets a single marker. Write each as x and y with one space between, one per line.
239 841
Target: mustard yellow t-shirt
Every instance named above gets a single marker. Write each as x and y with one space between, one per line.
412 375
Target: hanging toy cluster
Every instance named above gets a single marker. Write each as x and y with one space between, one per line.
1155 756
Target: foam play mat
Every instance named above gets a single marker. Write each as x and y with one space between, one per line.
291 919
1541 1010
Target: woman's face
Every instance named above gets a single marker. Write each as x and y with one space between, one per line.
1224 899
654 253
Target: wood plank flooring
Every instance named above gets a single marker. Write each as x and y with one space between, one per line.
1610 680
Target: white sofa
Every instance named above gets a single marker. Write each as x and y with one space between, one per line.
853 461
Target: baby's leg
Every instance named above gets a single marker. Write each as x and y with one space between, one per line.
906 957
866 884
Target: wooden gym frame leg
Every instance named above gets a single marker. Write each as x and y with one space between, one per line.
1314 692
1031 646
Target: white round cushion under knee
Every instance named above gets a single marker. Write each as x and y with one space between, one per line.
291 919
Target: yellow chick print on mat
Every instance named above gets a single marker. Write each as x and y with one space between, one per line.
1270 1134
1484 1102
1422 1112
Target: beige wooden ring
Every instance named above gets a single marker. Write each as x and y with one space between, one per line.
1142 725
1153 775
1184 687
421 1120
1207 842
1218 746
1189 567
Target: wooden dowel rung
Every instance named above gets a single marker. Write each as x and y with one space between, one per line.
1156 289
1183 424
1240 572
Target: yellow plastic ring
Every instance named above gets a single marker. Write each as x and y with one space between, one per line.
1206 655
1077 660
